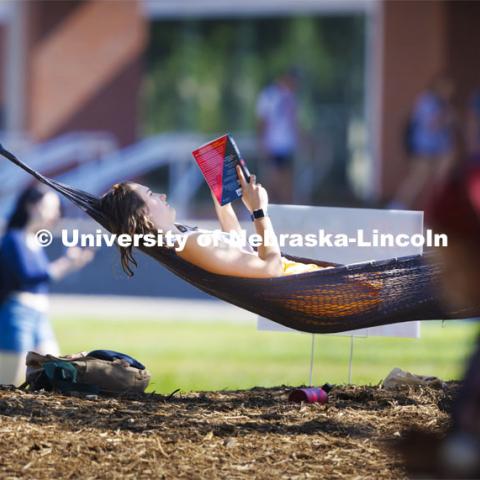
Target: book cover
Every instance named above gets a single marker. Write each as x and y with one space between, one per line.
217 161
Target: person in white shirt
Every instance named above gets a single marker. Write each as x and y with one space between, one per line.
277 126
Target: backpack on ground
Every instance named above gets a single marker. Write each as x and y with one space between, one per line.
100 371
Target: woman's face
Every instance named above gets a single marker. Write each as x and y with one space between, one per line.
46 212
162 214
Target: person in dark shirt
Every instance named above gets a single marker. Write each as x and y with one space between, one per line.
472 129
25 274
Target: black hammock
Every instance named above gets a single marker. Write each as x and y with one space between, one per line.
345 297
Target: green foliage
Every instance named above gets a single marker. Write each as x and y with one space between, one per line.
204 75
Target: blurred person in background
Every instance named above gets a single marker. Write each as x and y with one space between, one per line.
472 147
472 128
25 273
278 131
429 142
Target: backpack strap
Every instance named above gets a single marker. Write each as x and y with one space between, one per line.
60 376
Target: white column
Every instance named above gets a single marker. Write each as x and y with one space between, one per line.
374 95
15 68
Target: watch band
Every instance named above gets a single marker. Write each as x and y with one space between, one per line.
258 214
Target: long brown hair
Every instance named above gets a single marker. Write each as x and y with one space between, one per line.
128 214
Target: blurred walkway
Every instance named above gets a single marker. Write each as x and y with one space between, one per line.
153 308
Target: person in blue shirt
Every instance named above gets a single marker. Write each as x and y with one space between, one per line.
25 274
432 119
430 143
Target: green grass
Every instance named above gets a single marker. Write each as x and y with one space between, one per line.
213 356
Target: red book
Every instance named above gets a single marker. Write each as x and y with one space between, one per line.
217 161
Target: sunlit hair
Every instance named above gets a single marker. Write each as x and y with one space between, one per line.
128 214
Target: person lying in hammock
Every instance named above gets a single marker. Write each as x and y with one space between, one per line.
135 209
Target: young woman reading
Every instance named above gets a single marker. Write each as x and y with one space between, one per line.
135 209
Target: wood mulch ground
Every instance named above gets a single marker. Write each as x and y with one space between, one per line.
239 434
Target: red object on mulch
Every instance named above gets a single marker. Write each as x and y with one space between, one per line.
308 395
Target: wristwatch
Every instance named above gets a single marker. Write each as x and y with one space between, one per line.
258 214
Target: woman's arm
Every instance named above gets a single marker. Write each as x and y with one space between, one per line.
21 262
226 216
226 259
255 197
228 219
75 259
268 249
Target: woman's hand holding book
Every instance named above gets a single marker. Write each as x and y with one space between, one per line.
254 196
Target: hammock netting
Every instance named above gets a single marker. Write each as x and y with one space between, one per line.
345 297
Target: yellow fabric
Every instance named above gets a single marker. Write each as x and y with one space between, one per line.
293 268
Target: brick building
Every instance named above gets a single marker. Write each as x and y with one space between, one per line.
78 65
